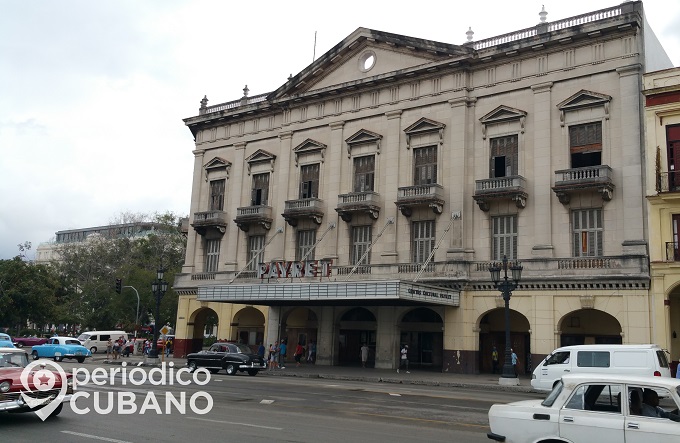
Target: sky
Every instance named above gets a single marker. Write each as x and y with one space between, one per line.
93 93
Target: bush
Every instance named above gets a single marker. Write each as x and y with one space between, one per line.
207 342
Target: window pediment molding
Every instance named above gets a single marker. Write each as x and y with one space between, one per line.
584 99
215 165
503 114
424 126
261 156
309 146
361 137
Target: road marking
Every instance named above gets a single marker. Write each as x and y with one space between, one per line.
94 437
395 395
266 402
235 423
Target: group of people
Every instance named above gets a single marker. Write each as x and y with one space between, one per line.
277 354
647 405
118 348
494 360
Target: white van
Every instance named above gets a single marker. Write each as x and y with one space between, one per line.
96 340
645 360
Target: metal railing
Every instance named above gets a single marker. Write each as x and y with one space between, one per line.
668 181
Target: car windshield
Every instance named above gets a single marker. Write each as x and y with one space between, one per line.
550 399
13 360
72 341
4 337
243 349
83 337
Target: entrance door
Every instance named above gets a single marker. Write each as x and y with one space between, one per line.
424 348
350 346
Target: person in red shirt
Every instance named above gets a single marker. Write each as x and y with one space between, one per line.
299 352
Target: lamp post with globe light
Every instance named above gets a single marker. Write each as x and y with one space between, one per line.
506 286
159 287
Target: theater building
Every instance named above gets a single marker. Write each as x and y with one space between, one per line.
364 200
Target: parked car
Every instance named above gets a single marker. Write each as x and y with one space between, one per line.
60 348
643 360
232 357
12 363
603 408
20 342
6 341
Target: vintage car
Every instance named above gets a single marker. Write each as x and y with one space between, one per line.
593 408
12 364
232 357
6 341
60 348
20 342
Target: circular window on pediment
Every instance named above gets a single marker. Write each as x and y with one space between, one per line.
367 61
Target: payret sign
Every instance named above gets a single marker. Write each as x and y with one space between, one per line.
295 269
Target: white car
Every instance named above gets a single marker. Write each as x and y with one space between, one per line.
594 408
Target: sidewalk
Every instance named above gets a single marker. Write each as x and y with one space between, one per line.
355 373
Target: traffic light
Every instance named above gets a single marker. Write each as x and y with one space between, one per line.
119 285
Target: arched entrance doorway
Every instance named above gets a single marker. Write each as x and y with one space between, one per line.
357 326
201 323
421 330
249 327
492 333
299 326
589 326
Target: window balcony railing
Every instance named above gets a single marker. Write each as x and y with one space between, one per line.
672 252
363 202
512 187
668 181
249 215
303 208
207 220
592 178
409 197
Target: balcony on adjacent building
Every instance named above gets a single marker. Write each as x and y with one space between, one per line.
303 208
672 252
253 215
210 220
668 182
511 187
410 197
358 202
592 178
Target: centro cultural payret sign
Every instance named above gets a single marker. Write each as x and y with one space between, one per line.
294 269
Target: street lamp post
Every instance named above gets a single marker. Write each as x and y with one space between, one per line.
158 287
506 286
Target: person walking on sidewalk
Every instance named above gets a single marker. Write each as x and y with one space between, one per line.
494 360
282 354
364 355
513 357
403 361
299 352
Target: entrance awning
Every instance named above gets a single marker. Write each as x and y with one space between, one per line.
394 292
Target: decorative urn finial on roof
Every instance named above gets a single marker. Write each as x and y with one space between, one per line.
543 14
469 34
204 102
246 91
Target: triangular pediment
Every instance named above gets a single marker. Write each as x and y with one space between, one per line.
260 156
346 63
216 164
363 136
584 99
308 145
502 113
423 126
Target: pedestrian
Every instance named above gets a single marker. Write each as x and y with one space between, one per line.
299 352
494 360
168 347
109 349
260 351
364 355
311 352
282 354
116 349
273 355
403 361
514 361
677 371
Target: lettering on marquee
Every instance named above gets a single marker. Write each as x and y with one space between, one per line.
432 294
294 269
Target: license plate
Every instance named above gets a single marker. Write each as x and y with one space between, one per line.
79 352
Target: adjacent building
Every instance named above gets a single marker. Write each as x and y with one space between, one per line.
365 199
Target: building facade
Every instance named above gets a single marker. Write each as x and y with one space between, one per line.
662 120
365 199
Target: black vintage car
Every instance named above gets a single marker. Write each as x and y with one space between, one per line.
231 357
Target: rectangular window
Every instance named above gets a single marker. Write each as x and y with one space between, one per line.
217 194
361 240
212 255
585 145
260 191
587 232
592 359
422 237
503 156
255 244
504 237
305 242
309 181
364 171
425 165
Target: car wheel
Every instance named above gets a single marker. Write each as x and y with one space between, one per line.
253 372
19 345
58 358
93 350
35 355
192 366
81 359
57 411
231 369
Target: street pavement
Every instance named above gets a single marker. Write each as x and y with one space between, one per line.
355 373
